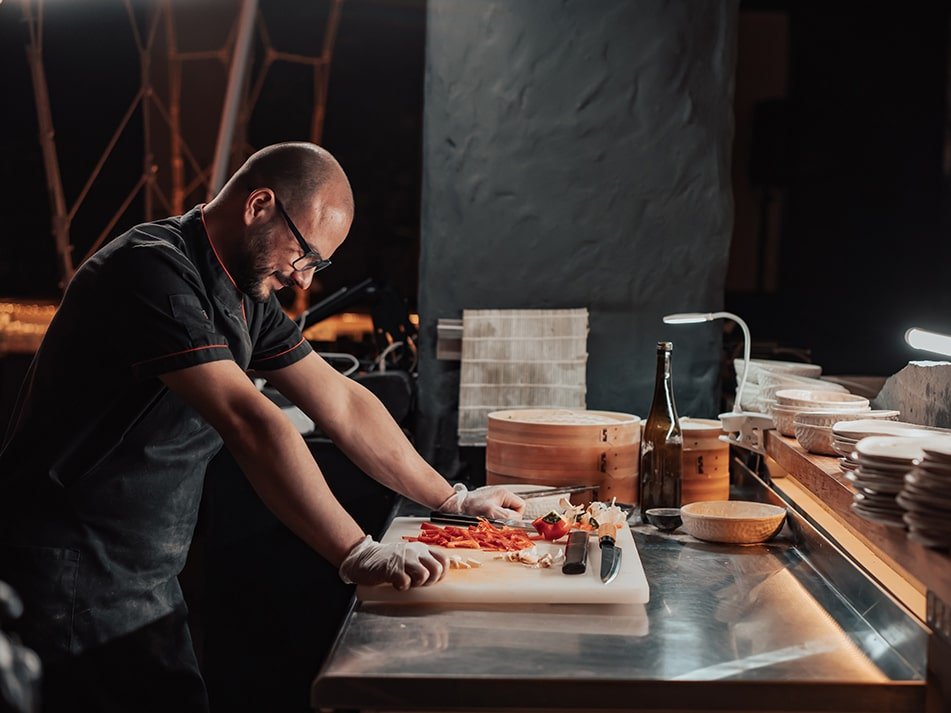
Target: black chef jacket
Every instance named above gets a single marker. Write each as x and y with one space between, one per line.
102 471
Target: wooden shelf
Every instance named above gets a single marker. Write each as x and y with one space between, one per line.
822 477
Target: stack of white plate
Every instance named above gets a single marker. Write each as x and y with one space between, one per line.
814 428
883 462
790 402
846 434
926 495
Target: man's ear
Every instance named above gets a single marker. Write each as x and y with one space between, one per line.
259 207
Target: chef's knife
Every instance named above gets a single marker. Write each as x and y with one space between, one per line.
451 518
528 494
610 553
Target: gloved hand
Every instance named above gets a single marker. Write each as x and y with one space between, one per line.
402 564
492 501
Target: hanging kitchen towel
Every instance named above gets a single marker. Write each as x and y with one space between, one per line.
513 359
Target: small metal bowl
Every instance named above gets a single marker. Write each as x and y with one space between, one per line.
665 519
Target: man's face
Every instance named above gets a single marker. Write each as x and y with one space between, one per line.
253 266
267 263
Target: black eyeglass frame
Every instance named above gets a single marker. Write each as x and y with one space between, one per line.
317 263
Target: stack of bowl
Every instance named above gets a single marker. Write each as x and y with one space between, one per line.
760 369
926 495
789 402
771 383
814 432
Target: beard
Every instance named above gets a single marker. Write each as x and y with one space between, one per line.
253 267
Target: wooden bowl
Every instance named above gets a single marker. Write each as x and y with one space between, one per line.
732 521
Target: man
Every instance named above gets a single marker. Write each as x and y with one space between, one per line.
141 377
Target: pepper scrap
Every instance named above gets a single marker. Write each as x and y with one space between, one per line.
483 536
552 526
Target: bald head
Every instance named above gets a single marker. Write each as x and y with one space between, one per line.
297 172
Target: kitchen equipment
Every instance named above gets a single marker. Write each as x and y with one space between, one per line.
732 521
610 553
562 447
576 553
453 518
706 461
545 492
498 581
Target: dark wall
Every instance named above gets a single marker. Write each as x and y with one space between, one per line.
576 154
864 244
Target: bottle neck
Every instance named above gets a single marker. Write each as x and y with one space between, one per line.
663 386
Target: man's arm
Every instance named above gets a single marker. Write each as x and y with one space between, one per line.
271 453
362 427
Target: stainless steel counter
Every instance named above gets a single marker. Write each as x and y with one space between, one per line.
789 625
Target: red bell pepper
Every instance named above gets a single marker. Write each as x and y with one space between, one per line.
552 526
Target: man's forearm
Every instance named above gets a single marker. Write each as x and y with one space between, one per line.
378 446
282 471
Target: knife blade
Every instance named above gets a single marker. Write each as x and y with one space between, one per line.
610 553
452 518
529 494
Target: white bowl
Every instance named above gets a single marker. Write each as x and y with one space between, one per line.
732 521
827 418
774 378
758 367
815 439
784 418
821 399
772 383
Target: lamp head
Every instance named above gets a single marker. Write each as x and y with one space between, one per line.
928 341
688 317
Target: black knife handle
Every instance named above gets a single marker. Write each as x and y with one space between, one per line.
576 553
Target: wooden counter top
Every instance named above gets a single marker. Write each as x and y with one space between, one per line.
927 569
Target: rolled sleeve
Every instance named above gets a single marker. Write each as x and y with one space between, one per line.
280 342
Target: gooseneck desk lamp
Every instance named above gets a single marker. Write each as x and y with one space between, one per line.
746 429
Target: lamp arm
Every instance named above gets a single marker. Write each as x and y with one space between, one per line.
746 355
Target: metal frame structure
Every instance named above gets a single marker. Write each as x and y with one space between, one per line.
186 172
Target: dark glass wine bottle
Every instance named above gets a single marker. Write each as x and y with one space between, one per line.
661 469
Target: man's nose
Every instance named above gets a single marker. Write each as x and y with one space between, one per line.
303 278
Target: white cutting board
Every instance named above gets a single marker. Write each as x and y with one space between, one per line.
498 581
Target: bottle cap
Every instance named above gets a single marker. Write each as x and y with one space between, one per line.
665 346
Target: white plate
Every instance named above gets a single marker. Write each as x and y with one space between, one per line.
873 427
890 449
939 449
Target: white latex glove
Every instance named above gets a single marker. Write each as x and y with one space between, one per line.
491 501
402 564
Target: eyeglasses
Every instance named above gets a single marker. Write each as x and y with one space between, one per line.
311 259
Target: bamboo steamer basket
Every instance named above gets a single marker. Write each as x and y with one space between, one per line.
565 447
706 461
